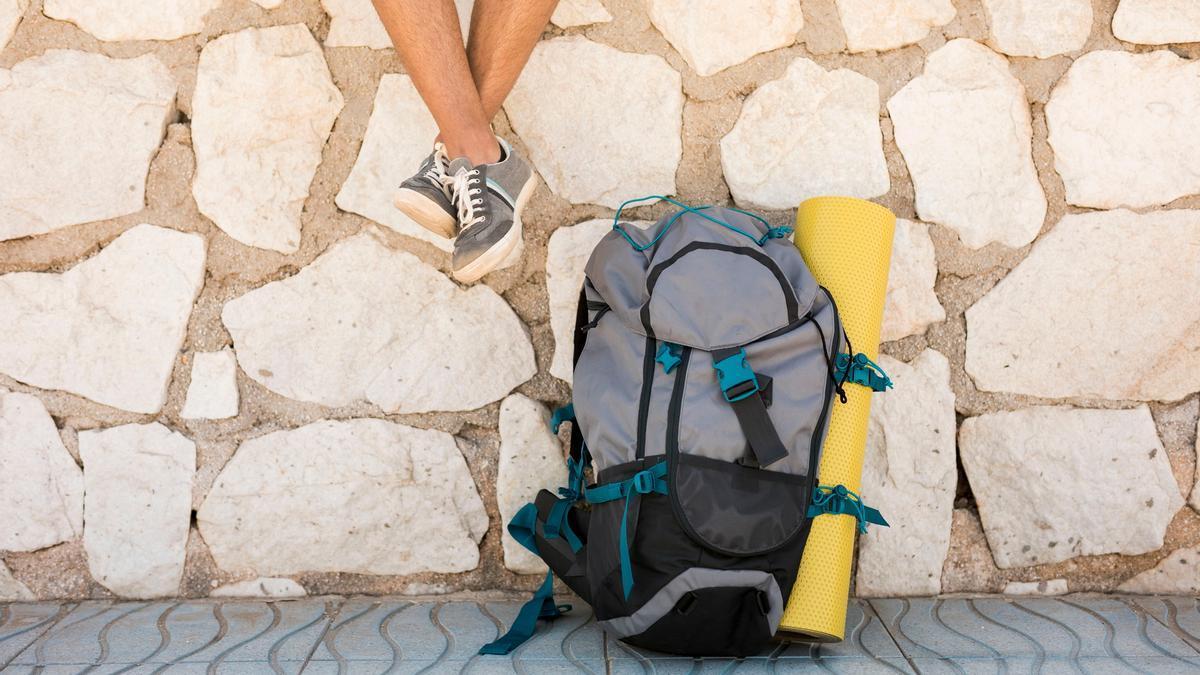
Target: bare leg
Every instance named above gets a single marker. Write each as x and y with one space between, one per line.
503 33
428 39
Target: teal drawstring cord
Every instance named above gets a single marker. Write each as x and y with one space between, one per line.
840 500
772 232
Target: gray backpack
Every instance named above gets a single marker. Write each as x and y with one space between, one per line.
704 375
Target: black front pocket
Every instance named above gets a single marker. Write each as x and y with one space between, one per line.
658 549
716 621
737 510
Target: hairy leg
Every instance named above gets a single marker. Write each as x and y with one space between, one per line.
429 41
503 33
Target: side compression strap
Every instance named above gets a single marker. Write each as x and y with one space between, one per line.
642 483
840 500
523 528
541 606
557 523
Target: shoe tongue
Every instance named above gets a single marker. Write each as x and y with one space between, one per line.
460 164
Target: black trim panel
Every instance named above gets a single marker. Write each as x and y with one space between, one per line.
648 371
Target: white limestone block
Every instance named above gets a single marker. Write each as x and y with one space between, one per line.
1125 129
713 35
629 107
110 328
262 110
1097 309
363 496
137 507
909 474
77 134
116 20
880 25
810 133
41 487
213 392
1053 483
965 131
531 459
364 322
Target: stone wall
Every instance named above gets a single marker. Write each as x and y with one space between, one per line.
230 367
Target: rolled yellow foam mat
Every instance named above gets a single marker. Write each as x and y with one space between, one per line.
847 244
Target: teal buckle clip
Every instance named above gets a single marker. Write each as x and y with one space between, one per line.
736 378
560 415
862 370
840 500
669 356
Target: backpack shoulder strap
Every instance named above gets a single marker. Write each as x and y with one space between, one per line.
582 326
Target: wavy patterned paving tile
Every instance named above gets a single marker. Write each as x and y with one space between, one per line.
1038 634
281 634
981 666
401 637
920 628
360 632
1084 666
188 629
1039 637
1151 665
73 639
152 637
376 636
138 636
1123 633
382 635
866 638
575 639
379 635
1180 615
21 624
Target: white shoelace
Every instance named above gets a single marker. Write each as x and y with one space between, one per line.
436 173
468 196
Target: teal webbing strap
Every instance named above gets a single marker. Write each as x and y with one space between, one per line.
556 521
772 232
541 606
839 500
642 483
563 414
523 528
557 524
862 370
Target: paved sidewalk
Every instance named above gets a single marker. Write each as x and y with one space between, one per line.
375 635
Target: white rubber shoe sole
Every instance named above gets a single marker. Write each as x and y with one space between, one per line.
498 255
426 213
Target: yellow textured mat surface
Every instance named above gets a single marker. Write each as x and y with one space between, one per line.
847 244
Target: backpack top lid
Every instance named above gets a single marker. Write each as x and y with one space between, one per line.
705 278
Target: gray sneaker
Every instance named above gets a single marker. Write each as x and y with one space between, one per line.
490 199
425 197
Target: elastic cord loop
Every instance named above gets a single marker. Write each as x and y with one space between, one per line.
771 233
